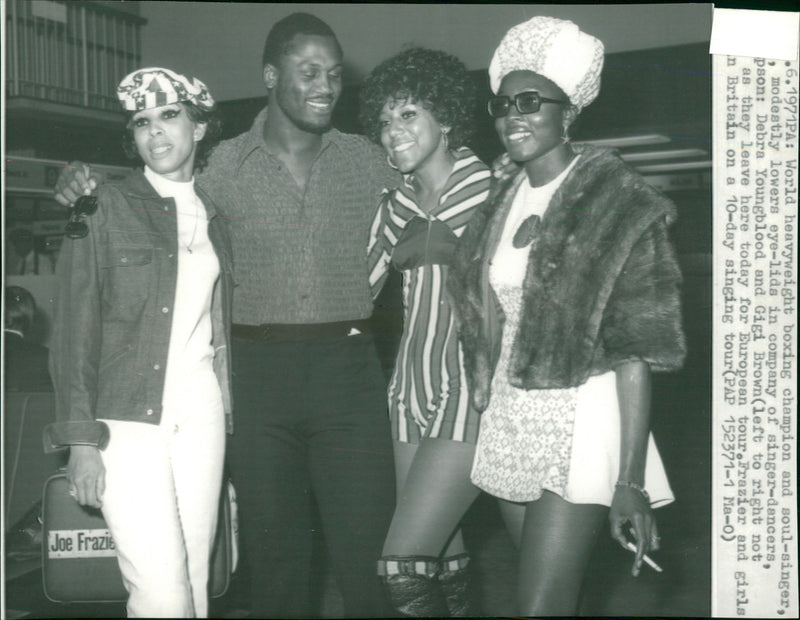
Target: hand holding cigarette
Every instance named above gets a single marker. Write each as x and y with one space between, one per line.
633 525
646 558
632 546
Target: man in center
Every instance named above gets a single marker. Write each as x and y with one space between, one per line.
310 396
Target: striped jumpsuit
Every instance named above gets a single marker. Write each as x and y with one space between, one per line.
428 395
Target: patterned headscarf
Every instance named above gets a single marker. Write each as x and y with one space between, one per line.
153 87
556 49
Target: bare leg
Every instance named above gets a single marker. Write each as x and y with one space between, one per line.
434 492
556 543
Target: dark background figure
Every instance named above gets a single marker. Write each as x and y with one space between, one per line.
25 371
20 258
25 358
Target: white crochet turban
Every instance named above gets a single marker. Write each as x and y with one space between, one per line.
153 87
556 49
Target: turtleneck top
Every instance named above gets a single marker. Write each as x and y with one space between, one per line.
190 372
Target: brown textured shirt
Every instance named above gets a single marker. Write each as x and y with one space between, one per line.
299 257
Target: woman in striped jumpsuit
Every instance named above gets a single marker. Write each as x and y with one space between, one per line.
418 105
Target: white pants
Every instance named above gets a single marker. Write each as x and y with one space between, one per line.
161 500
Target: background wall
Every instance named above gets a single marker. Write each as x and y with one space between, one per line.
221 42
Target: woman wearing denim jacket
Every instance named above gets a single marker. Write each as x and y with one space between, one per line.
140 351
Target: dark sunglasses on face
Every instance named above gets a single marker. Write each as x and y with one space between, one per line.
528 102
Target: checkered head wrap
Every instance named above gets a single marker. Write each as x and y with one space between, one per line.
153 87
556 49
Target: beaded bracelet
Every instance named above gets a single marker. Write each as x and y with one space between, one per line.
634 486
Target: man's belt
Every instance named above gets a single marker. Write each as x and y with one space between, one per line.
284 332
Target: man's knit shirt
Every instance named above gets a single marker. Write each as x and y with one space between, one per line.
299 257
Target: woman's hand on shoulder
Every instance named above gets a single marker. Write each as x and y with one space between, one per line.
503 168
86 475
630 510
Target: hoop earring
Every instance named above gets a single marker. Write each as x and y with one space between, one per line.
444 138
391 163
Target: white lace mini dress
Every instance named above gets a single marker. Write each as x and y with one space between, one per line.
564 440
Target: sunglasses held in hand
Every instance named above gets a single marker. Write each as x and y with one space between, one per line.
528 102
76 228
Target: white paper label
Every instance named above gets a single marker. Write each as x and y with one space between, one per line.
80 544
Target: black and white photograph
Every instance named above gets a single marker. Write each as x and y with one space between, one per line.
231 389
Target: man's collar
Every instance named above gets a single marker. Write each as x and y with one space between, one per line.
254 138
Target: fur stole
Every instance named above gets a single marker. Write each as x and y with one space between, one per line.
601 285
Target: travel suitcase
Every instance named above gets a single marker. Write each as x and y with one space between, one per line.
79 560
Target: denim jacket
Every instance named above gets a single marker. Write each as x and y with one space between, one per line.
113 313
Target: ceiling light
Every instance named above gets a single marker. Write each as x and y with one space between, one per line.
673 154
628 141
676 167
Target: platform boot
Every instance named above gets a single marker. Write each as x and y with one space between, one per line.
412 585
458 588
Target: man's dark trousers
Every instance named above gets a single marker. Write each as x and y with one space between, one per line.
310 418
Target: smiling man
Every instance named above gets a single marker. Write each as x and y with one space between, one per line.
311 430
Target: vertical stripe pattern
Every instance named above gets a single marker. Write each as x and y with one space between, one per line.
428 395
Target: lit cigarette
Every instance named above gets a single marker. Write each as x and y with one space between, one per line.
646 558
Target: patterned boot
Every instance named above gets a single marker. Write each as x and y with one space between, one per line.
457 587
412 585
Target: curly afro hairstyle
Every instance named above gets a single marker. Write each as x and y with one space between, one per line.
198 115
437 80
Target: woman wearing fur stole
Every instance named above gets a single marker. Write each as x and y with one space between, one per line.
566 290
